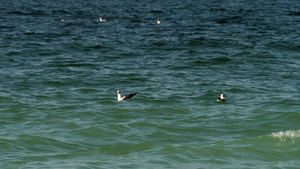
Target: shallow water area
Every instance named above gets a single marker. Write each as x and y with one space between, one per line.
59 82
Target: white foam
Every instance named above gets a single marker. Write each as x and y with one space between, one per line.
289 135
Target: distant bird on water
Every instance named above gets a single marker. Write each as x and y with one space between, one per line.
128 96
102 20
158 21
222 98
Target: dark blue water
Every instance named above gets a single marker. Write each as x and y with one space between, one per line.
61 68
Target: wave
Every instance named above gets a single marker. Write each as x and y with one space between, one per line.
285 136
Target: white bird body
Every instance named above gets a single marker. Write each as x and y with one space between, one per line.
102 20
222 98
121 98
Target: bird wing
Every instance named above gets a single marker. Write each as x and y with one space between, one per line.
128 96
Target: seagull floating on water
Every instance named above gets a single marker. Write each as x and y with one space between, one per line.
222 98
102 20
128 96
158 21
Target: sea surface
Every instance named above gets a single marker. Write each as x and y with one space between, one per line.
60 69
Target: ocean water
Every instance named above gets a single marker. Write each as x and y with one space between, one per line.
58 100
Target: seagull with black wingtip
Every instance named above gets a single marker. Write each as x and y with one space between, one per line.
128 96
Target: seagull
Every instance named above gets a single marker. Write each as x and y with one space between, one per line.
128 96
158 21
102 20
222 98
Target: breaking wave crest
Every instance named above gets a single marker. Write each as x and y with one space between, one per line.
286 135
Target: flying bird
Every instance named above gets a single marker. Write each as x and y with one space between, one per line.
222 98
128 96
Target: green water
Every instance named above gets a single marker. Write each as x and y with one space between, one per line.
59 82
